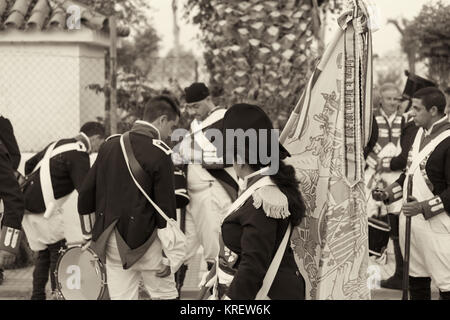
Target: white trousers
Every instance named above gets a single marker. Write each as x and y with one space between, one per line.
124 284
41 231
63 224
429 251
208 205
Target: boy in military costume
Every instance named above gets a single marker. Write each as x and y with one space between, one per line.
54 173
125 230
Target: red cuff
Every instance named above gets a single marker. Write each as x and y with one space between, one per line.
432 207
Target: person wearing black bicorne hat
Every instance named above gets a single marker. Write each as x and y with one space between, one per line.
268 207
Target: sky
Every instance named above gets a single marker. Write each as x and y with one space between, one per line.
384 40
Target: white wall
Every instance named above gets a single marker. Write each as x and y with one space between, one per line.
39 91
43 89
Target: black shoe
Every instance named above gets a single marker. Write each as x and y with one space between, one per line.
395 282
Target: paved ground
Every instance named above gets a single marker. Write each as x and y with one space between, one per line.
18 283
17 286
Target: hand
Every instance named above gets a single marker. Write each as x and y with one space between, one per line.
379 195
412 207
164 272
6 258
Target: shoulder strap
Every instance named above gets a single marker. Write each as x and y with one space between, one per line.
227 182
274 266
73 146
136 171
427 149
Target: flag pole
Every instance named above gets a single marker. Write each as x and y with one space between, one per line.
407 244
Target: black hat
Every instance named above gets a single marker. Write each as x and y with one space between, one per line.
246 116
196 92
414 83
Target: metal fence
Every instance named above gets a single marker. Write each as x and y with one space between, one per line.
43 91
49 91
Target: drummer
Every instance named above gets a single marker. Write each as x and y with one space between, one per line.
55 172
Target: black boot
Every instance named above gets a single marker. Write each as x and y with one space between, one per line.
420 288
395 282
180 275
444 295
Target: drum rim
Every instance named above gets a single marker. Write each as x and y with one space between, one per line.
102 271
382 226
181 192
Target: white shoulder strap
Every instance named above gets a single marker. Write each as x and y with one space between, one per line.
74 146
274 266
169 220
265 181
419 156
44 175
46 181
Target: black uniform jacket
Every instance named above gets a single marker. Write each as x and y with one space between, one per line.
110 192
13 202
255 238
409 131
67 172
9 141
437 167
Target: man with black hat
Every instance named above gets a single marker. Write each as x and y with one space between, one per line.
212 186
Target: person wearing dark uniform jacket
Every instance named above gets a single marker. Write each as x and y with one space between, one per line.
9 141
123 227
258 226
54 173
13 203
429 206
212 185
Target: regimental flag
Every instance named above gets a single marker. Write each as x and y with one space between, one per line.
325 135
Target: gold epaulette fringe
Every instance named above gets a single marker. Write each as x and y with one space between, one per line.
273 201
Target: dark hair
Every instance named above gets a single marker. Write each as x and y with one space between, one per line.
161 105
289 185
432 97
93 128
